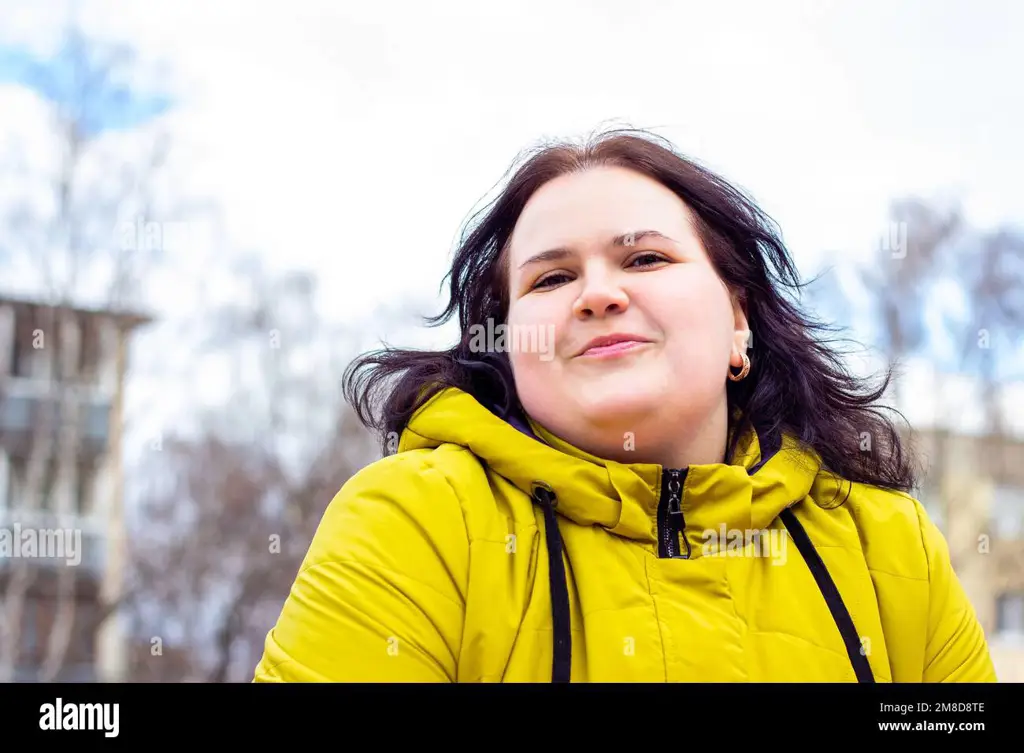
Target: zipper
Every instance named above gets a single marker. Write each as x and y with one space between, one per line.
671 522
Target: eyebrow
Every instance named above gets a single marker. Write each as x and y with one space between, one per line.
625 239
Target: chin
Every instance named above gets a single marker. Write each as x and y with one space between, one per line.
619 406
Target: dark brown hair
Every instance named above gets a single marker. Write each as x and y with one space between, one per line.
797 383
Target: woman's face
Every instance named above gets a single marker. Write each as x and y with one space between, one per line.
666 389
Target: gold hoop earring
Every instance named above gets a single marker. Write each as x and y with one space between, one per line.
743 372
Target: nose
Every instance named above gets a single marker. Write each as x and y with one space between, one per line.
602 295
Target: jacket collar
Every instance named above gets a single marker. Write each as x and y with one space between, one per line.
746 495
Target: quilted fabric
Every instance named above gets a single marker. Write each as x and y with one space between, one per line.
434 565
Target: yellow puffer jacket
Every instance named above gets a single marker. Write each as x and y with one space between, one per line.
443 563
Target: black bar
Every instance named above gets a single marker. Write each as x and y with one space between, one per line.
297 714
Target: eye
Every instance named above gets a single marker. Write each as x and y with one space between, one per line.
650 255
544 282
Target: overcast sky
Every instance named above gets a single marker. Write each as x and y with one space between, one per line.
354 139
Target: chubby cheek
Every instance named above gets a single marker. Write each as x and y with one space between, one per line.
531 345
542 387
538 392
534 326
697 322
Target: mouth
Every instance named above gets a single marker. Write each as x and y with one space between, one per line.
612 345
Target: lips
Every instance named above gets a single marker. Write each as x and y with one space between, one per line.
612 344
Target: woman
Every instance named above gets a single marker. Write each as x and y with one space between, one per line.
638 464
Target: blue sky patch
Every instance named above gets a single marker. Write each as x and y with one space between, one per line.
109 106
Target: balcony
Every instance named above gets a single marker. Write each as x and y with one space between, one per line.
23 404
46 541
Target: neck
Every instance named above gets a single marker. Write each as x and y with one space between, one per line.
674 446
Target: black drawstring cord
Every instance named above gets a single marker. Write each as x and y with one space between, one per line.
561 668
859 660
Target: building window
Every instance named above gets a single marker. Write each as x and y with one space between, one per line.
1008 512
1010 616
89 354
25 359
18 470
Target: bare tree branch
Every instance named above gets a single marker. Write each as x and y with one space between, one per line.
236 508
62 244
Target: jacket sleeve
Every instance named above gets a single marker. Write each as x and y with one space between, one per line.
956 649
380 594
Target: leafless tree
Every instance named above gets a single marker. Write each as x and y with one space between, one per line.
64 223
903 275
930 257
229 513
990 269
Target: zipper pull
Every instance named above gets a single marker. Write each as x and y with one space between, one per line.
674 496
676 522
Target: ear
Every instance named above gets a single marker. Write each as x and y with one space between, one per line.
741 330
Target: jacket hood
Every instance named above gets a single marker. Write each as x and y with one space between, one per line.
763 479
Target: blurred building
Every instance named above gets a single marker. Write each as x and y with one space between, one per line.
974 491
64 367
164 664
